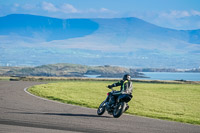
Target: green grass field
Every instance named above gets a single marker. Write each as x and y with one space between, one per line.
177 102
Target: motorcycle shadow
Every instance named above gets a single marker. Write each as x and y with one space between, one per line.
64 114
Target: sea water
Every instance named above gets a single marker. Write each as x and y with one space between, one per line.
172 76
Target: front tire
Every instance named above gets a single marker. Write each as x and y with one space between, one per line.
119 109
101 108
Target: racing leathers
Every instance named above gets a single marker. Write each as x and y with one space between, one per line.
126 89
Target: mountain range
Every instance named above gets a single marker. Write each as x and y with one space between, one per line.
30 40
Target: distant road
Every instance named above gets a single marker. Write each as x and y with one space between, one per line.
21 112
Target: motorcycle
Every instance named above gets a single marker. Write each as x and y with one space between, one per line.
118 106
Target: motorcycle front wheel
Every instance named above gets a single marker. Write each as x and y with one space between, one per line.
101 108
119 109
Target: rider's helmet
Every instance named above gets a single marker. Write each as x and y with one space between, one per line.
127 77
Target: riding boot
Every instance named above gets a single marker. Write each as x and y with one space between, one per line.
127 107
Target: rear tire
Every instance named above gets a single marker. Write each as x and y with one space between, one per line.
101 108
119 109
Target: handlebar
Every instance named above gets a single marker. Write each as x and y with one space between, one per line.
111 88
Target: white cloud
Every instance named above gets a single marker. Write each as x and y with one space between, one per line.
195 13
175 14
179 14
101 10
49 7
67 8
104 10
28 6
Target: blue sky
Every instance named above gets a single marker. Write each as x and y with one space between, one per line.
177 14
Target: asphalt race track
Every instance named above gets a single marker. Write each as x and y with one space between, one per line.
21 112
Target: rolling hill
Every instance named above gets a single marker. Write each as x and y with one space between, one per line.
70 70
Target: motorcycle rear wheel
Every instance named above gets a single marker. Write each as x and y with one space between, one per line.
101 108
119 109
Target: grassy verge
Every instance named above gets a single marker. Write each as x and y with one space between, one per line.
5 78
177 102
58 79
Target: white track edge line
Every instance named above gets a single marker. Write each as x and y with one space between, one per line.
25 89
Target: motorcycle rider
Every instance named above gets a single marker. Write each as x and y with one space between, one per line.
126 89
